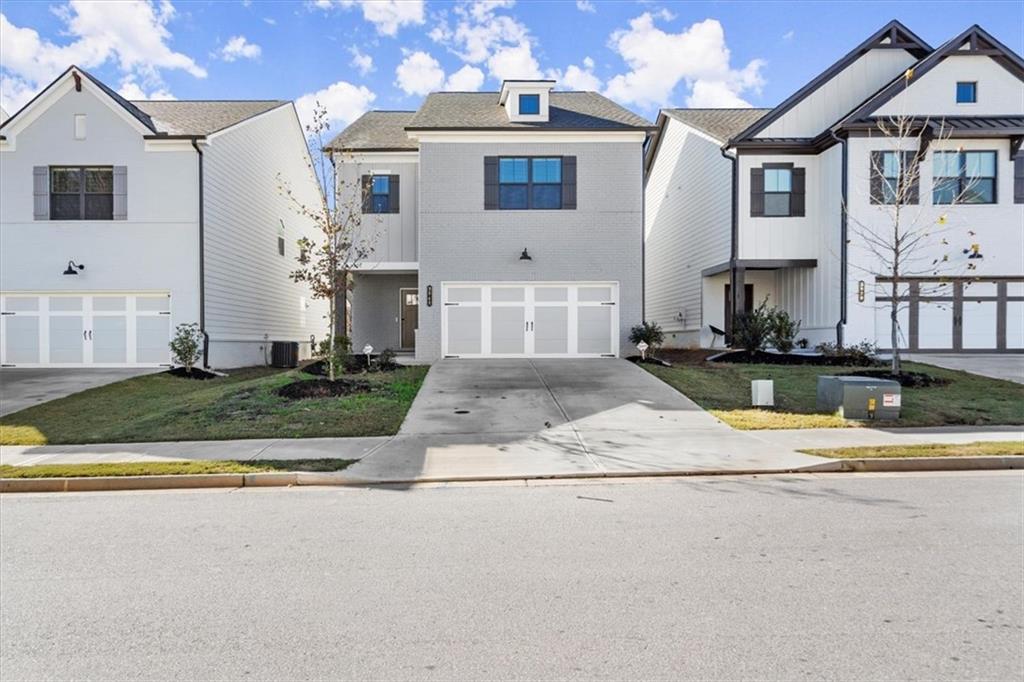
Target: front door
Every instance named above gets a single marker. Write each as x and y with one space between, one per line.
410 299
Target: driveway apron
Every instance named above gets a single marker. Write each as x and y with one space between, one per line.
498 418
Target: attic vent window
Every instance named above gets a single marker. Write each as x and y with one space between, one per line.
529 105
966 92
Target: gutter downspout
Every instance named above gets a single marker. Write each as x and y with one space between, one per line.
734 291
842 239
202 263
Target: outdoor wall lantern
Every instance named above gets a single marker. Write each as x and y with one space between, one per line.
525 255
71 269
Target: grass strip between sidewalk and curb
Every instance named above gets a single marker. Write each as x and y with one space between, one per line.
976 449
183 468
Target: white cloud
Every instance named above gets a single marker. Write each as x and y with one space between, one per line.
482 36
131 90
344 101
577 78
467 79
134 35
238 47
360 61
697 56
586 6
269 21
788 35
419 74
386 15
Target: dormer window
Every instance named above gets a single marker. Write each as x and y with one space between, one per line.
529 105
526 101
967 92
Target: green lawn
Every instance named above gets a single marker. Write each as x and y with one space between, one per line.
161 407
227 466
977 449
724 389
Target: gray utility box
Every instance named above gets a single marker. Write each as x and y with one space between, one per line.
859 397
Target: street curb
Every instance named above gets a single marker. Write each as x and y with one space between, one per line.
306 478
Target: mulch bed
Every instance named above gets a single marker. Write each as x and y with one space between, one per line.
906 379
649 361
197 374
762 358
323 388
356 365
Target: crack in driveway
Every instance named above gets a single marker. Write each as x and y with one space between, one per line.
575 432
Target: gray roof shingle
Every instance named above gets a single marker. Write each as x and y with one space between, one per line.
481 111
201 117
721 124
376 131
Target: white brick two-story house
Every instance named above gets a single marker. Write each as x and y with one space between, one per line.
120 220
747 204
505 224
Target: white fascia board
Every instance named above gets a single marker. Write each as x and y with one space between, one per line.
175 145
522 137
386 267
376 157
235 126
58 89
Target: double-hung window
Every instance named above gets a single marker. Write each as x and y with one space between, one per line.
778 191
894 177
81 193
530 183
380 193
964 177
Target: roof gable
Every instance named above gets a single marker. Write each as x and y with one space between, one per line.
892 36
975 41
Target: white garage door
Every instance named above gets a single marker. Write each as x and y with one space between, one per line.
101 330
536 319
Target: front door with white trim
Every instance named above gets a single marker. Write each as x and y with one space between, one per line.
535 319
79 329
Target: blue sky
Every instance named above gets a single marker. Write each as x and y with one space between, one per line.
355 55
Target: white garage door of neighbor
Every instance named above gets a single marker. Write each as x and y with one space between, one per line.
96 330
536 319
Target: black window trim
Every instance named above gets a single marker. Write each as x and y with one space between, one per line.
531 95
779 166
962 178
529 182
956 93
82 192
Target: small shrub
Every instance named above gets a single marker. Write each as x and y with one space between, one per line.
386 360
750 331
860 354
783 330
648 332
339 356
186 346
803 343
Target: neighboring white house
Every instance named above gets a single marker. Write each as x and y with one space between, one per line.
762 215
121 220
504 224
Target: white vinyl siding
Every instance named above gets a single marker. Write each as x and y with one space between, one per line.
686 227
248 291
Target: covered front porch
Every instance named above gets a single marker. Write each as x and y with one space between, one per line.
385 310
743 284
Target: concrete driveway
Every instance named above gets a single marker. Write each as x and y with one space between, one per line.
21 388
494 418
997 366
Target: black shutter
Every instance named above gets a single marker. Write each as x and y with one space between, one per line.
367 186
909 175
796 204
756 192
490 183
393 193
569 182
877 164
1018 178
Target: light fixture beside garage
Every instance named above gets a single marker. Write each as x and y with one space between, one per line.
525 255
73 268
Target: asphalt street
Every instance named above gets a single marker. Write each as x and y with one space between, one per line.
823 576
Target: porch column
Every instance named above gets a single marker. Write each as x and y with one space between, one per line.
737 293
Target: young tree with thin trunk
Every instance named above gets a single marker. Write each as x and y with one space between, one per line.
324 262
915 238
